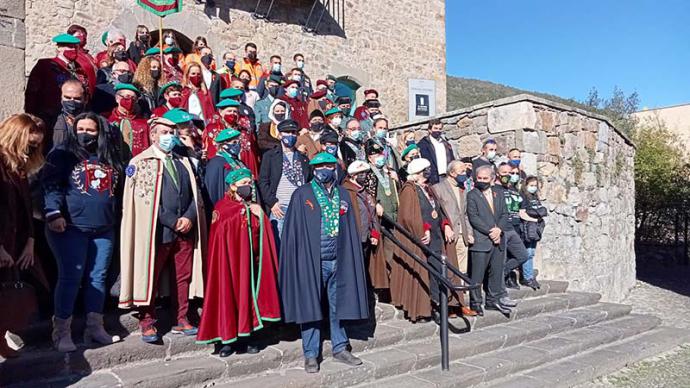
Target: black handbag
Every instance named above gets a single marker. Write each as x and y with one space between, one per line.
17 302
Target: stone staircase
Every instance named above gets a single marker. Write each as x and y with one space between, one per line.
553 338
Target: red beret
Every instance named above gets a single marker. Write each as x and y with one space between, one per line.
318 94
321 82
368 91
290 82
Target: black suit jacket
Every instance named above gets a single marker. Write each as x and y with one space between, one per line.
483 219
272 170
176 201
428 152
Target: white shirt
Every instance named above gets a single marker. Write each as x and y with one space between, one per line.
441 156
208 77
195 106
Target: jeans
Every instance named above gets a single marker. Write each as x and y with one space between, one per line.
311 331
528 266
277 224
80 252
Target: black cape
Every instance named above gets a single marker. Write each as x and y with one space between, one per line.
301 288
214 179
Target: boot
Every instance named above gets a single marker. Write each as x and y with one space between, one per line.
62 335
95 333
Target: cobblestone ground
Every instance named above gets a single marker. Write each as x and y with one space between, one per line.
663 290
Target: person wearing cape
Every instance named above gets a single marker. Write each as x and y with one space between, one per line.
226 160
242 284
321 257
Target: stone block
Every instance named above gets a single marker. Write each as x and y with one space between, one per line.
390 362
569 145
553 146
581 214
12 81
562 372
529 163
602 136
546 169
175 373
458 373
12 8
248 364
546 121
512 117
469 145
105 379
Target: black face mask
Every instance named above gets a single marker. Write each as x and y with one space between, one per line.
125 78
426 173
144 38
156 74
251 55
482 186
120 55
88 141
316 127
436 135
230 64
72 107
245 192
273 91
361 179
206 60
279 116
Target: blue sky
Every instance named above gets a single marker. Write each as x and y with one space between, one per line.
566 47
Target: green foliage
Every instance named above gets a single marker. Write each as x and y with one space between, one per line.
618 108
579 167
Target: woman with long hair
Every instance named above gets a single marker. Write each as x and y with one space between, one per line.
196 96
195 55
532 214
21 156
80 183
149 78
141 43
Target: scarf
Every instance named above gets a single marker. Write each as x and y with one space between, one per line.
293 170
330 208
383 180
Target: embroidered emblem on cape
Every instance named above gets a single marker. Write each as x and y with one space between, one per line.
94 176
145 179
131 170
343 207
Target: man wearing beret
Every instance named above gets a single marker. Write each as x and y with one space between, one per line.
318 101
362 111
229 117
283 170
247 118
373 113
321 250
308 143
125 116
227 160
172 94
345 105
299 107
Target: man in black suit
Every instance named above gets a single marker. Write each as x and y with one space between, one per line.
437 150
488 215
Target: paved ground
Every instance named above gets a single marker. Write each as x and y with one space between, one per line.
663 290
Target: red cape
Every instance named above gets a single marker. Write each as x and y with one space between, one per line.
138 139
239 296
249 154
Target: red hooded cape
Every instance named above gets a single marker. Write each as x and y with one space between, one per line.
239 297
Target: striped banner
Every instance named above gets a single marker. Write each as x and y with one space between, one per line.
161 7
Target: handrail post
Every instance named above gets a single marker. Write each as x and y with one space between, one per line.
444 315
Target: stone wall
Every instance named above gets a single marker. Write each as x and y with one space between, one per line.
12 43
378 46
586 169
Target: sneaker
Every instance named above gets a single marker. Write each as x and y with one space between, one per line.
347 358
511 281
149 335
311 365
184 327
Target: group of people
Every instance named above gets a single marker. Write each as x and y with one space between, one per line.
249 187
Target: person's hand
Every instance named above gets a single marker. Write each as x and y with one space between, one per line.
448 231
277 211
303 131
26 259
393 174
5 258
470 239
183 225
379 210
204 153
302 148
57 225
427 238
256 210
187 141
495 233
374 241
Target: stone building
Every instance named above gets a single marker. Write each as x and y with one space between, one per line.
12 43
379 44
586 172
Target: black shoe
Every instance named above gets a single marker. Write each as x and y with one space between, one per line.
533 284
436 316
498 307
479 310
252 349
225 351
347 358
507 302
311 365
511 282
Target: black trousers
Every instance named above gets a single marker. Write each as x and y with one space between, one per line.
517 253
489 264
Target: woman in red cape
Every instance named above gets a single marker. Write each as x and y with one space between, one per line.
229 117
241 286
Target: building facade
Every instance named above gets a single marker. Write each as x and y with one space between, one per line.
676 118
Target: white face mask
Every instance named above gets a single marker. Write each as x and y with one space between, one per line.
336 121
276 67
491 155
300 64
531 189
169 40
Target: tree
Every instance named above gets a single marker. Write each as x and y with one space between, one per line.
618 108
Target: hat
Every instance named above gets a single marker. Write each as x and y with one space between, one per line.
418 165
318 94
172 49
323 158
276 78
321 82
358 166
231 93
370 91
288 125
408 149
152 51
178 116
328 136
333 111
466 159
331 77
236 175
66 39
227 103
290 82
168 85
160 121
316 113
122 86
226 135
104 38
343 100
372 103
372 147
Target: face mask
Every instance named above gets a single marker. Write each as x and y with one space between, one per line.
482 186
316 127
410 142
245 82
276 68
300 65
70 54
279 116
380 161
87 140
381 133
125 78
336 121
175 102
156 74
514 178
461 179
127 104
232 149
166 142
331 149
120 55
361 179
245 192
169 40
297 78
195 79
324 175
491 155
206 60
504 179
346 111
292 92
251 55
230 64
531 189
357 136
289 140
436 134
426 173
273 91
514 162
230 118
72 107
144 38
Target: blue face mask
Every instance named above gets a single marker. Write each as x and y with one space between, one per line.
381 133
289 140
292 92
380 161
331 149
232 149
324 175
410 142
167 142
515 178
461 179
230 64
359 135
514 162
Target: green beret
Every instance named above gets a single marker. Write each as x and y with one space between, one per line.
333 111
178 116
152 51
231 93
104 38
236 175
172 49
227 134
323 158
331 77
169 84
65 39
408 149
226 103
127 87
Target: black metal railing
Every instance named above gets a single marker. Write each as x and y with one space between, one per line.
335 8
441 277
